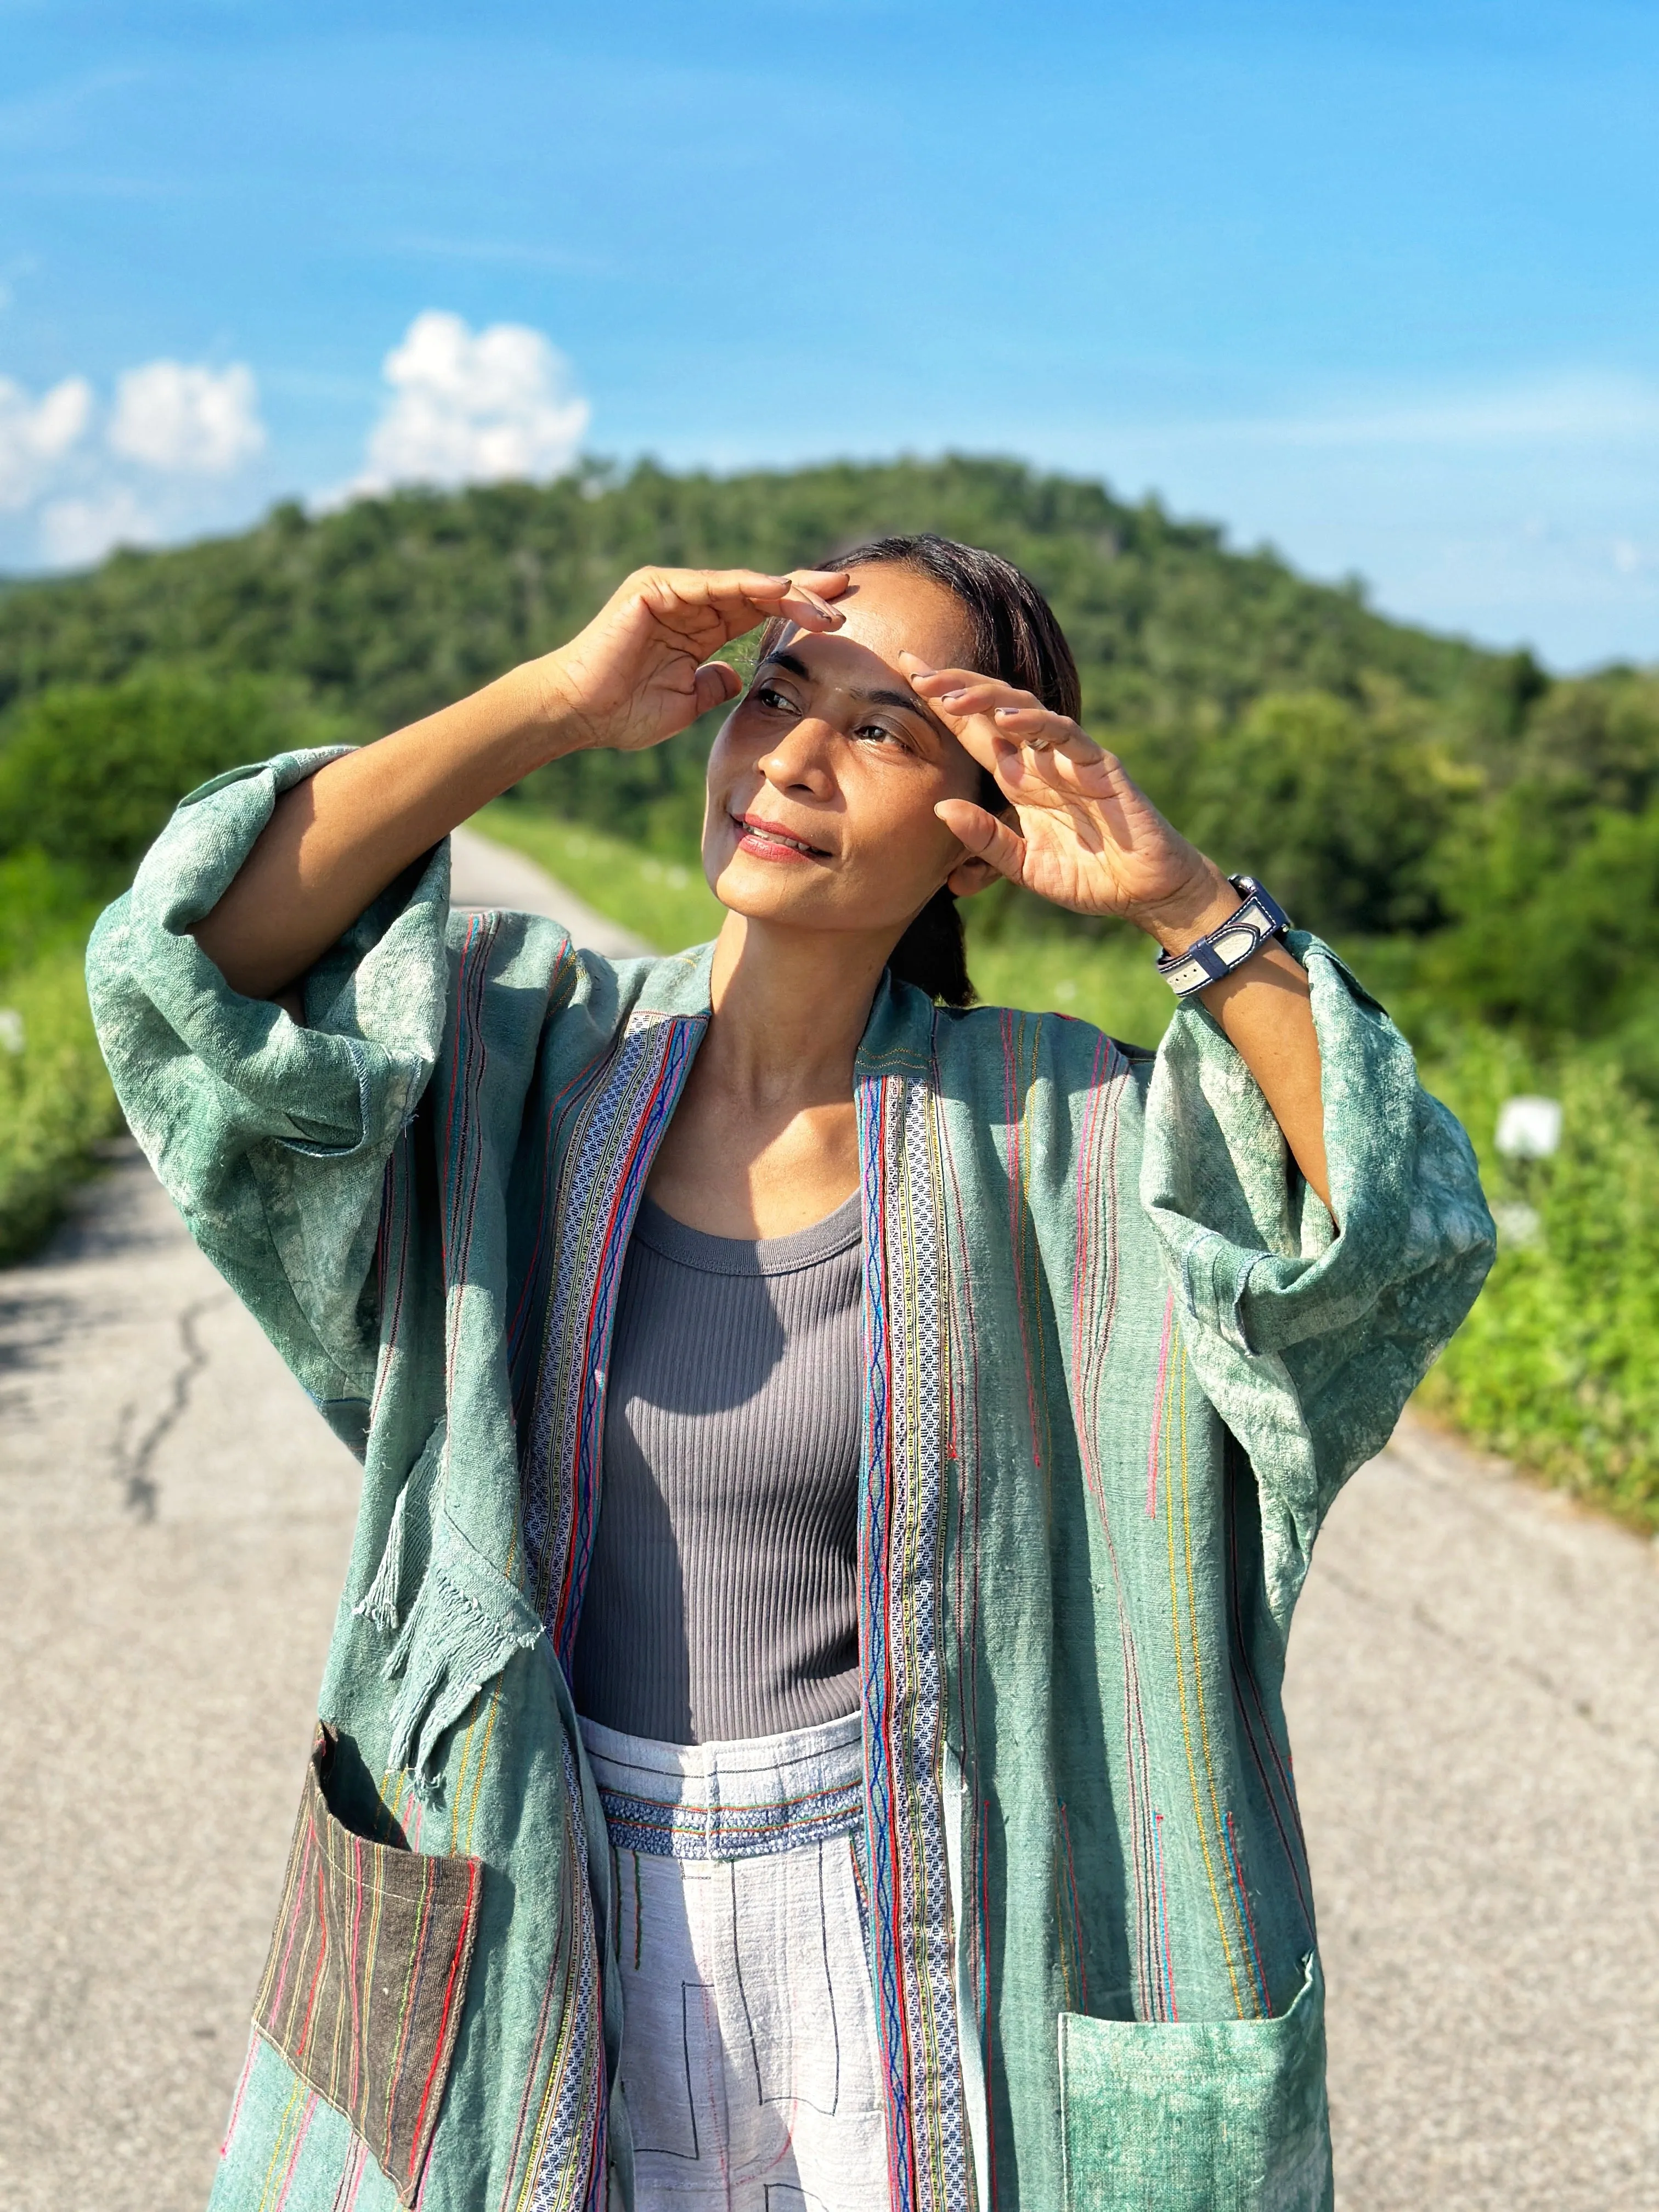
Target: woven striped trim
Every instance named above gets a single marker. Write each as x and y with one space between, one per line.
367 1976
569 2155
689 1830
619 1123
901 1594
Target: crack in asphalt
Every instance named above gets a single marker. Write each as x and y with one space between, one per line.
133 1460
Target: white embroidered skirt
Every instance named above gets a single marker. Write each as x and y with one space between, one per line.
749 2065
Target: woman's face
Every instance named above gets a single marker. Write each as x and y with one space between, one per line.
823 783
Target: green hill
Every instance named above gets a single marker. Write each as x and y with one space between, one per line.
1493 825
395 605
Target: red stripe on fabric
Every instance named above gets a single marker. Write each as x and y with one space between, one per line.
443 2018
354 1977
586 1385
294 2160
322 1961
412 1991
904 2129
242 2091
294 1918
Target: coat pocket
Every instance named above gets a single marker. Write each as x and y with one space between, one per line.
1211 2116
363 1988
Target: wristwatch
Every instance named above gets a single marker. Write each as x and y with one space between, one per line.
1243 934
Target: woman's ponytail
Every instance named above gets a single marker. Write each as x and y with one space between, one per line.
933 953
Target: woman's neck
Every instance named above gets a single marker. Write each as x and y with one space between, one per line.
790 1006
764 1138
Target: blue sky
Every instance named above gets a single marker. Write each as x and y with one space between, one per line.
1375 282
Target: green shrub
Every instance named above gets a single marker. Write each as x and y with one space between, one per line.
89 775
45 905
1556 1367
55 1101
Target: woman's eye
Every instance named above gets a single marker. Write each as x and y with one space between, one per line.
769 696
881 730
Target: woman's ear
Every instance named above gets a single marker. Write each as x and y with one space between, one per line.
971 875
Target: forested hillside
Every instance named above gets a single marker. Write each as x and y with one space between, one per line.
1387 782
1497 827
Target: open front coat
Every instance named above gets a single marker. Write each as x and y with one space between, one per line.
1117 1365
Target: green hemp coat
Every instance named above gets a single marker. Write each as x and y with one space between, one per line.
1118 1364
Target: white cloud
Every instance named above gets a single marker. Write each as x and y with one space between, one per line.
36 434
468 409
74 533
191 421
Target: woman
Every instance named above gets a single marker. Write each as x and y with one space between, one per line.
964 1392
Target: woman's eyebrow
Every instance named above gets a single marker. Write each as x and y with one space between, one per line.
906 701
792 662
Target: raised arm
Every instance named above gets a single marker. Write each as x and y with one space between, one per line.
1078 831
639 671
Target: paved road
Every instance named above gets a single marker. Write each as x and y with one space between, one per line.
1475 1694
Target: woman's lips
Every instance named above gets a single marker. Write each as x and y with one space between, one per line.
769 841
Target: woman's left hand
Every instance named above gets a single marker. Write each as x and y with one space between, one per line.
1082 833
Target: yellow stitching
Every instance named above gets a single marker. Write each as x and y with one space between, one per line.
484 1761
1186 1726
277 2145
1198 1664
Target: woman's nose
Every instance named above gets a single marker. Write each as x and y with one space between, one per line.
801 761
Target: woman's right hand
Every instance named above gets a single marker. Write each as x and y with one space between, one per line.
641 669
637 673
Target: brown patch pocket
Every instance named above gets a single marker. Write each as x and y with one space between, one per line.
363 1988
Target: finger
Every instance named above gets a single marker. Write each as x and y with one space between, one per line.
1043 731
716 683
984 837
743 597
966 690
960 696
809 609
1017 717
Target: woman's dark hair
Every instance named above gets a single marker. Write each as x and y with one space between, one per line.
1013 636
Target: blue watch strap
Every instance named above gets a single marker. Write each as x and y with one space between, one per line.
1236 940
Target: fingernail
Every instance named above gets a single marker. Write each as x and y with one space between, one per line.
1003 712
946 698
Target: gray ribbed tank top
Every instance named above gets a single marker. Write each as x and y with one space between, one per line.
722 1598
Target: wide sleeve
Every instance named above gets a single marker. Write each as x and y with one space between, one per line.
272 1138
1309 1342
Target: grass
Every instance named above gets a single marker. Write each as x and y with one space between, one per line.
1109 981
1556 1367
56 1100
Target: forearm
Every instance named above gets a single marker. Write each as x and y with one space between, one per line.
336 841
1266 1011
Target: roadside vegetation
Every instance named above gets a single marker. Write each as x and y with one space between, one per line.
88 775
1481 838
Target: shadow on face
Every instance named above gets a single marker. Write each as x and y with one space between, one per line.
823 783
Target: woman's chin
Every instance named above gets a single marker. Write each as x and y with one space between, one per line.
760 891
